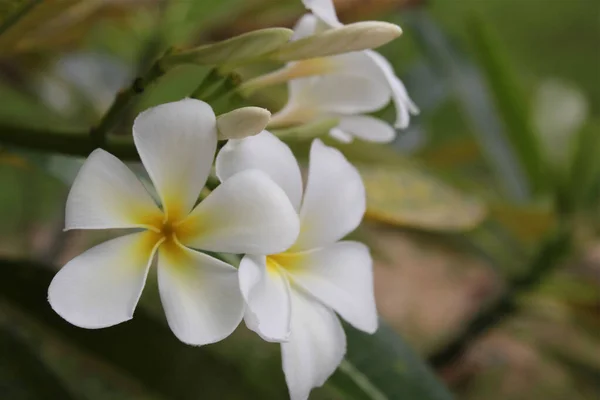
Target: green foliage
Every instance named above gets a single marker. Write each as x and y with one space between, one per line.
382 366
19 368
510 102
147 352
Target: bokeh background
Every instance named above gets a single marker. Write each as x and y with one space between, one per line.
483 215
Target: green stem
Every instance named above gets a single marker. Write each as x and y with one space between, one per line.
65 142
213 77
122 103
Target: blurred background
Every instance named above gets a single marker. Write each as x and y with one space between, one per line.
483 216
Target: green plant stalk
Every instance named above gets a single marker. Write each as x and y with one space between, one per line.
212 78
65 142
547 259
122 103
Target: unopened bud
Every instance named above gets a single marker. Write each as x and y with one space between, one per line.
248 46
243 122
353 37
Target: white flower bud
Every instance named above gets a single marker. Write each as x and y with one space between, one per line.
248 46
243 122
353 37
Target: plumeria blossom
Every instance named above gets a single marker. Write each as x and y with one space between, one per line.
247 213
292 296
364 82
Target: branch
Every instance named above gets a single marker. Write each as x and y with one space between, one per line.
549 256
65 142
122 103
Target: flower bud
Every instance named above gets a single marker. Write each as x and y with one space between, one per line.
243 122
353 37
248 46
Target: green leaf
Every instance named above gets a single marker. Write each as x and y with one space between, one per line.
82 375
510 102
584 174
23 109
144 349
401 192
22 375
383 366
408 196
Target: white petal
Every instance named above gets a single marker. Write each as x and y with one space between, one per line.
403 103
266 292
345 94
306 26
102 286
177 143
334 200
367 128
106 194
360 63
200 295
315 348
300 107
266 153
248 213
340 276
325 10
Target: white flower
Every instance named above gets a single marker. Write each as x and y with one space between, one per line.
292 296
248 213
343 86
344 97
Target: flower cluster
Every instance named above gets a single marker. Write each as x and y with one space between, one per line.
345 86
296 272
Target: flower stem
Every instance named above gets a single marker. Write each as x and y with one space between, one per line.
213 77
122 103
65 142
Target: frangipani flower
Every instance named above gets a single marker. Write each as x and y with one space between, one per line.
346 98
351 74
248 213
292 296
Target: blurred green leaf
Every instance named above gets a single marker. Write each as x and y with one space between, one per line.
510 102
408 196
584 174
143 348
83 376
528 224
20 108
401 192
22 375
383 366
571 288
475 103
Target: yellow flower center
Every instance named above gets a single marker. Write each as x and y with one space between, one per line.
286 260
